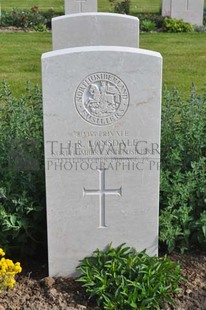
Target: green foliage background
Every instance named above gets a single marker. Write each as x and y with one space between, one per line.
22 183
183 171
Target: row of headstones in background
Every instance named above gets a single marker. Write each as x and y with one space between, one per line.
102 132
190 11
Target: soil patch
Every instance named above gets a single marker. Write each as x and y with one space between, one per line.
11 29
34 290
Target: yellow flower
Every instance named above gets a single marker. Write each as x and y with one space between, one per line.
11 283
8 270
17 268
2 253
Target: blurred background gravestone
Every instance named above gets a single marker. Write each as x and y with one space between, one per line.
87 29
191 11
80 6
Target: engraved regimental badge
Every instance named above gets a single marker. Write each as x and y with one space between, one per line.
102 99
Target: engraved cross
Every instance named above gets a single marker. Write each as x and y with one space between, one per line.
102 192
80 4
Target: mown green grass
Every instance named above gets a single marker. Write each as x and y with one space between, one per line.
184 58
20 57
8 5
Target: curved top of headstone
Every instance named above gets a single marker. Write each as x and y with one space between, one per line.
87 29
95 49
91 14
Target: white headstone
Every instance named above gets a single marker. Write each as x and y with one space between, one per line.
95 29
191 11
166 7
102 134
80 6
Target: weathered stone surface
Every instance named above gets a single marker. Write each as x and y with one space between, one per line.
102 133
95 29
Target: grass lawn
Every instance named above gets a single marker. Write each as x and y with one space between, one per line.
20 57
184 58
57 5
183 54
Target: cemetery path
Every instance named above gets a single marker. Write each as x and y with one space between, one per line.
34 290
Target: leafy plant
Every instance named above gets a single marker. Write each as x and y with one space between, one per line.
155 18
200 228
8 271
183 171
22 188
121 6
121 279
148 25
176 25
176 227
40 28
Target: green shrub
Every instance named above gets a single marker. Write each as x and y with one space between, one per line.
176 25
121 6
200 228
121 279
147 25
155 18
40 28
27 19
22 19
200 28
183 171
48 15
22 188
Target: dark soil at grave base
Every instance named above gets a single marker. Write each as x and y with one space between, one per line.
34 290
